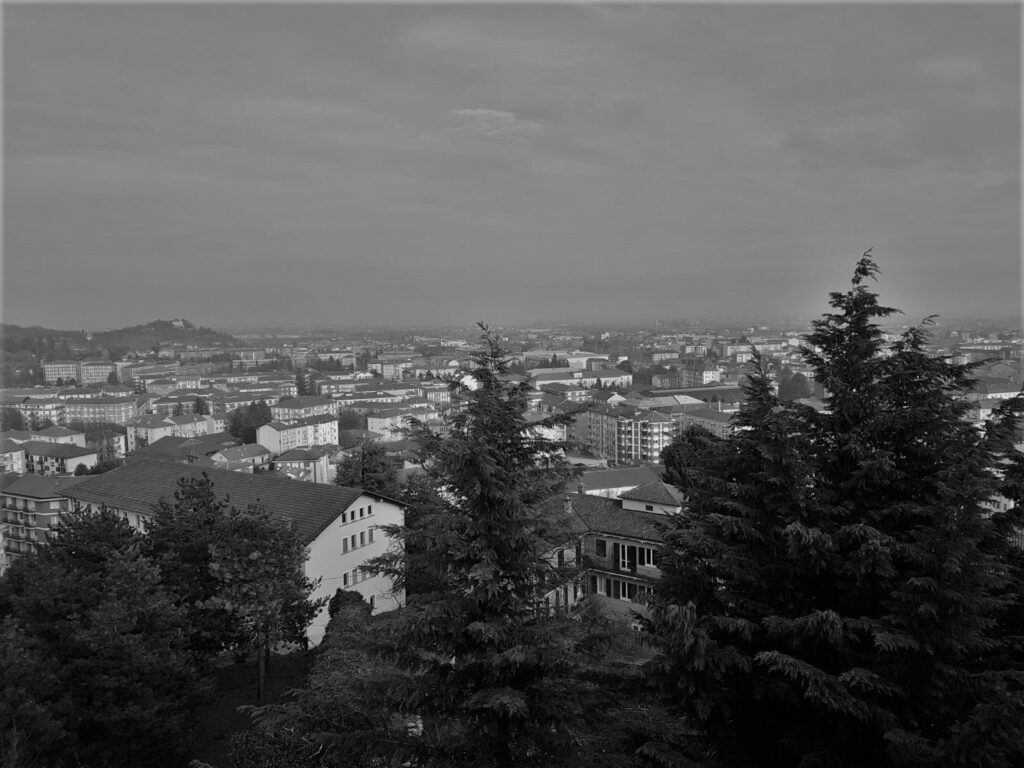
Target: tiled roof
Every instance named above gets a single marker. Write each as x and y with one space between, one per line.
247 451
299 454
654 493
303 402
56 450
18 435
59 432
624 477
724 417
140 485
10 446
597 514
41 486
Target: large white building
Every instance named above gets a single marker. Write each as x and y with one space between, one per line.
281 436
340 526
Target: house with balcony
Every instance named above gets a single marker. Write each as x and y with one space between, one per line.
30 508
303 407
42 458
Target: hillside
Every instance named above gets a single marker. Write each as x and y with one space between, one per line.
136 337
163 332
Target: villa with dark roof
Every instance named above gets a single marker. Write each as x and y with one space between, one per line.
340 526
616 542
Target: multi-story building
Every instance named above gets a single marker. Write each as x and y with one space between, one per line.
301 407
281 436
42 458
95 372
61 435
626 435
36 410
13 456
718 423
61 369
308 464
102 410
341 527
148 429
30 509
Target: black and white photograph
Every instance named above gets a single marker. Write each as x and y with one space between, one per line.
494 384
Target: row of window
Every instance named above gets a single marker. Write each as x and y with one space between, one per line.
619 589
645 556
348 517
353 577
363 538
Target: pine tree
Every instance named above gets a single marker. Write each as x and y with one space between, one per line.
486 663
837 592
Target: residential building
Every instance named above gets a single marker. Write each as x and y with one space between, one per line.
247 456
61 435
624 434
95 372
302 407
718 423
309 464
13 456
36 410
340 526
102 410
281 436
30 509
60 369
42 458
609 483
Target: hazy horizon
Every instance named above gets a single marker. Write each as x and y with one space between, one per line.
352 165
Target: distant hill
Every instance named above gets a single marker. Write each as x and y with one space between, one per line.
163 332
137 337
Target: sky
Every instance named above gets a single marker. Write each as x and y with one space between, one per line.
354 165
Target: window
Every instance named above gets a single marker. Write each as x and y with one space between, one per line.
370 535
362 538
649 507
623 558
360 513
344 545
369 509
645 556
344 579
601 548
353 542
344 517
371 602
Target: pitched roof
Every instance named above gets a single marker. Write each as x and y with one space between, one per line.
306 401
597 514
59 432
138 486
41 486
299 454
654 493
10 446
247 451
624 477
56 450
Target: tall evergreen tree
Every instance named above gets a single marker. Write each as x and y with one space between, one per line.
96 646
486 663
837 592
369 468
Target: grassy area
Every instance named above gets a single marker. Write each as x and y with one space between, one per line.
235 685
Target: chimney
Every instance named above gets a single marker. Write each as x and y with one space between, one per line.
581 489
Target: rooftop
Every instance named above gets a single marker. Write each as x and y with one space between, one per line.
41 486
140 485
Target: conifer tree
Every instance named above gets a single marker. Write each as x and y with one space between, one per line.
838 592
485 663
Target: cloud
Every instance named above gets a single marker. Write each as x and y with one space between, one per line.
953 69
497 124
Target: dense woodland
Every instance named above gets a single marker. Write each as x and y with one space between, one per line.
836 592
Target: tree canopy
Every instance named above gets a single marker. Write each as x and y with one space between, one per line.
369 468
838 591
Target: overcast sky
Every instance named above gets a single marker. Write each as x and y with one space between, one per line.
338 164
